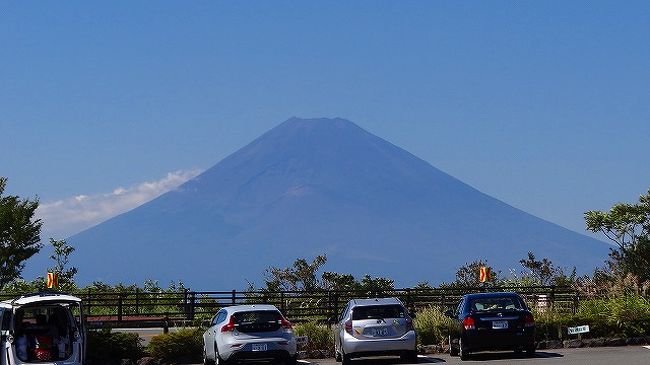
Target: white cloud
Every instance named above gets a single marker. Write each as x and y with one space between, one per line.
66 217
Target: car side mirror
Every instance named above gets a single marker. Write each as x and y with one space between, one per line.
450 314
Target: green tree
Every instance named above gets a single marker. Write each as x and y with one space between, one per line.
61 258
19 234
301 276
628 226
543 272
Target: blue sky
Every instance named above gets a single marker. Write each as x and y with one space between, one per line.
544 105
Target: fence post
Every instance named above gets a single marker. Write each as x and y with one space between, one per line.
408 299
88 303
192 305
576 302
282 306
234 297
119 307
552 297
330 308
186 305
137 301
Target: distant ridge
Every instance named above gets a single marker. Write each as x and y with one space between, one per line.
312 186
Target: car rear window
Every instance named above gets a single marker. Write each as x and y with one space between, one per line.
495 303
257 321
378 311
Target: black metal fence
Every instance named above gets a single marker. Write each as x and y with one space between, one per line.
152 309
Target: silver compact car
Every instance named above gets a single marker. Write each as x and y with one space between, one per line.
375 327
249 332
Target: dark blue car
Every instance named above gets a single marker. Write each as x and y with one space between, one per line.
492 322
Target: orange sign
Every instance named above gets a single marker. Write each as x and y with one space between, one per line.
52 280
484 274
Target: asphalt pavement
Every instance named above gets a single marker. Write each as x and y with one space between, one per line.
591 356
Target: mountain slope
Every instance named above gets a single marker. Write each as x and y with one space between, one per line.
312 186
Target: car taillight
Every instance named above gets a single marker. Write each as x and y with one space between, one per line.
468 323
348 326
230 326
285 324
529 321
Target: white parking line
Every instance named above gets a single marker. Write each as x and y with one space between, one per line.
647 347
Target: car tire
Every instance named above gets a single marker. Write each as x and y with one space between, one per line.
410 357
206 361
291 360
217 359
337 356
346 360
462 350
530 351
452 350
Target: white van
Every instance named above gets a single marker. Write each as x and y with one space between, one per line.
42 328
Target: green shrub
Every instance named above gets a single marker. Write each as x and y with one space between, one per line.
320 336
182 346
432 326
627 316
107 345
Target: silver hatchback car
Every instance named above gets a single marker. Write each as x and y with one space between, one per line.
249 332
375 327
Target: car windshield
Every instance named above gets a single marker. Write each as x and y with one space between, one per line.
378 312
495 303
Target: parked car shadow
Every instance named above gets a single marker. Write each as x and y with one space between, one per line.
394 360
489 356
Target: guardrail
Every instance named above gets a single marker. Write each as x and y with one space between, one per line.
156 309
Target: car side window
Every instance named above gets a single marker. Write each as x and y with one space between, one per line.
218 318
221 316
344 312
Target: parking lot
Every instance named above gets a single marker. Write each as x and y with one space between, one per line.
590 356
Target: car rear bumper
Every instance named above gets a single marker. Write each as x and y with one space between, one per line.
496 340
371 347
276 348
273 355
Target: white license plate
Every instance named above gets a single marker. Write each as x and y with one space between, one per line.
259 347
379 332
499 325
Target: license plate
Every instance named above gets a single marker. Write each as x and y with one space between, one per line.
259 347
499 325
379 332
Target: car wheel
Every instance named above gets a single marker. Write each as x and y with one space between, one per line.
291 360
346 359
337 356
452 350
530 351
217 359
462 350
206 361
411 357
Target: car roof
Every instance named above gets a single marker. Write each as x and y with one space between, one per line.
491 295
376 301
44 297
251 307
